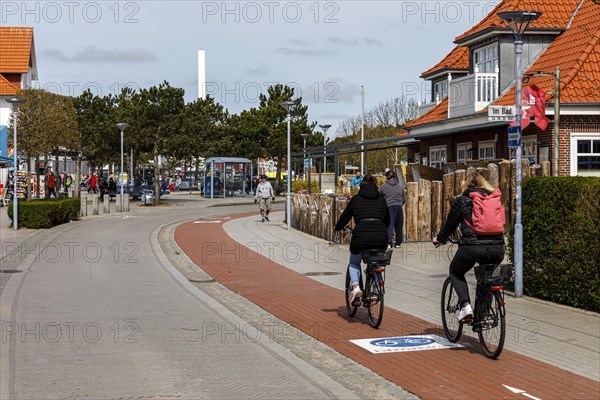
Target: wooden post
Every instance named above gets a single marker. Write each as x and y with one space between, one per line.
525 170
504 181
424 218
545 168
459 177
493 175
535 170
448 189
412 211
483 171
437 205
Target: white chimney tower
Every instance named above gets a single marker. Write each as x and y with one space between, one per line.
201 74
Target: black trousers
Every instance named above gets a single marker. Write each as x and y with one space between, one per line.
465 258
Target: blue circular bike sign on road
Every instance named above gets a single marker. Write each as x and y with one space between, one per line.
402 342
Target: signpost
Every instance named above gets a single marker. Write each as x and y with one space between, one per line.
514 136
502 113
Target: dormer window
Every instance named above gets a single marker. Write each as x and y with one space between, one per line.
440 90
486 58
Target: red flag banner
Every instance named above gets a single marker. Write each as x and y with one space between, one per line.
533 104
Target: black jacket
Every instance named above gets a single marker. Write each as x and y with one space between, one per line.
461 210
371 217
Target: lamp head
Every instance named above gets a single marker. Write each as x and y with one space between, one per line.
304 135
287 105
15 101
122 126
518 21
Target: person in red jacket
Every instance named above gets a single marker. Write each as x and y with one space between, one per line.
93 182
51 184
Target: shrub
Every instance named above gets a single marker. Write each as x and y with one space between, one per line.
561 249
46 213
299 185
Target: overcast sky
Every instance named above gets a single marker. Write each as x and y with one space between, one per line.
326 49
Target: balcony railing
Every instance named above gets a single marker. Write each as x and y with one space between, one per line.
472 93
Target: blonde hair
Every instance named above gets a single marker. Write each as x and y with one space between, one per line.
476 180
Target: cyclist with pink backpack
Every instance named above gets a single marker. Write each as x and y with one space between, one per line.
479 212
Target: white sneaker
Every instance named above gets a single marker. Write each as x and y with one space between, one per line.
466 313
356 295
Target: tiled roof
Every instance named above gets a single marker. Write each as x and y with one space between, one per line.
437 113
7 88
15 49
555 14
577 53
458 58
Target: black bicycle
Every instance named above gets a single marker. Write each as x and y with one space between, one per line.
374 287
489 312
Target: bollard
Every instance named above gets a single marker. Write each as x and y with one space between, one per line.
95 205
126 202
118 197
83 206
106 204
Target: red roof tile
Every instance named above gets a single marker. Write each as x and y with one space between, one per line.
458 58
577 53
7 88
555 14
15 49
437 113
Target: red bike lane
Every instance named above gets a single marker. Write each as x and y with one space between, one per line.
319 311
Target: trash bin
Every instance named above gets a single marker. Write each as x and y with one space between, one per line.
148 197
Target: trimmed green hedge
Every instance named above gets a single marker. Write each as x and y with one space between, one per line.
46 213
561 240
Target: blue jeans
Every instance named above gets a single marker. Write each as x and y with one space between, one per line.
397 222
354 268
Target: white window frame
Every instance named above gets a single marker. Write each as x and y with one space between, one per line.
489 150
466 147
528 144
438 156
485 58
440 90
595 136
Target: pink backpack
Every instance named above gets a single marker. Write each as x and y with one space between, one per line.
488 215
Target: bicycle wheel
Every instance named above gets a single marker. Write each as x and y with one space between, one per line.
351 309
450 310
491 328
375 302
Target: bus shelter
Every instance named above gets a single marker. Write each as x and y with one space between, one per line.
227 177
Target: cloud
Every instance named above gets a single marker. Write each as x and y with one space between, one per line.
300 42
94 54
259 70
287 51
332 91
354 41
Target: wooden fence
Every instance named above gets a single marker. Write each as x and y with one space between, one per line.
427 202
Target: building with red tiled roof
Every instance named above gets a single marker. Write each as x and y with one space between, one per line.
458 129
18 68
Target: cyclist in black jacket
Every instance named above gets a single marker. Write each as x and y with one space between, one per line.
371 217
472 248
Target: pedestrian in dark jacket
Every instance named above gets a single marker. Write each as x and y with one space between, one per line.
371 218
393 193
472 248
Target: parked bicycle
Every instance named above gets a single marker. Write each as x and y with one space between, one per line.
489 313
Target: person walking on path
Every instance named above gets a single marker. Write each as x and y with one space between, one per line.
393 193
264 196
371 217
356 180
93 183
51 184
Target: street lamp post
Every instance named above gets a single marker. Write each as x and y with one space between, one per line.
304 136
325 127
288 209
15 106
122 126
518 21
